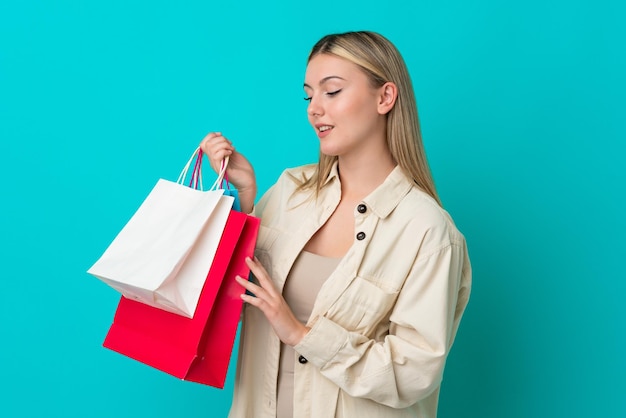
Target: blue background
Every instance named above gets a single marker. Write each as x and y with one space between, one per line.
522 111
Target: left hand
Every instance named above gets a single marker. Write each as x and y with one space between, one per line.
272 304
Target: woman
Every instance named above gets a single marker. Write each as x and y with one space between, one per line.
361 276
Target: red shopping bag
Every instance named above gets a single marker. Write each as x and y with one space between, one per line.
197 349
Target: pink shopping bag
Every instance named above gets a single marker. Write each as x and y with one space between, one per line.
197 349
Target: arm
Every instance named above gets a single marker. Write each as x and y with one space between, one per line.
407 364
266 297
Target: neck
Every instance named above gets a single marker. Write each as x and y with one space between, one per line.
361 175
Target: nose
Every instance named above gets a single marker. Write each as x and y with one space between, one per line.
314 108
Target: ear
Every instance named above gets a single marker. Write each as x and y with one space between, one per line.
387 97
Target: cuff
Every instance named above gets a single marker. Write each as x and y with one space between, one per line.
322 342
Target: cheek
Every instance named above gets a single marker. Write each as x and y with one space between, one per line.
360 112
346 109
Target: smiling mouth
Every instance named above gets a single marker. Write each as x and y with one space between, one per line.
325 128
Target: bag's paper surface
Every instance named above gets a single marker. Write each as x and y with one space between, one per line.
162 254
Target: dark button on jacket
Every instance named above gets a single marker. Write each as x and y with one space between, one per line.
302 360
361 208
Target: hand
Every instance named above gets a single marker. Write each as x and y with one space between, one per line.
240 172
272 304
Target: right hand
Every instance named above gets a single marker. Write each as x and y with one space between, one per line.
239 171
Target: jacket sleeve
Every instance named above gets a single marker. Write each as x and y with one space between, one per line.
405 365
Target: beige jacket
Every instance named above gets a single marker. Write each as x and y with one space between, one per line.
384 321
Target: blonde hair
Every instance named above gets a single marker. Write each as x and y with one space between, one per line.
382 62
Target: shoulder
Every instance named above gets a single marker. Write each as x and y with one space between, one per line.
423 218
281 194
296 175
291 178
306 169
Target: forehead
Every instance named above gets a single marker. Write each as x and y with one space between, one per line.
323 66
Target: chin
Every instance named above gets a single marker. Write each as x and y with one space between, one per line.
329 150
329 153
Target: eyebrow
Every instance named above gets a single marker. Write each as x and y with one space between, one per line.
325 79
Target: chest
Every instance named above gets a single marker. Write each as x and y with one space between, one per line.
335 236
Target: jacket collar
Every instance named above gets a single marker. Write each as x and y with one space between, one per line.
384 199
334 173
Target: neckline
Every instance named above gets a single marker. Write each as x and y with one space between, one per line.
309 253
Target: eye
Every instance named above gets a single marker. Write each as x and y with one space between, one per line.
308 99
333 93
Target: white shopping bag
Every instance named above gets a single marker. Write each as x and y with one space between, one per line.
163 254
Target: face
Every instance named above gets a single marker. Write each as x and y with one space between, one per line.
344 108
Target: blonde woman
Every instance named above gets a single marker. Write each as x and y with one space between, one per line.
361 276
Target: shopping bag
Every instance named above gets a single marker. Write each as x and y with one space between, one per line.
235 195
221 183
225 185
196 349
163 253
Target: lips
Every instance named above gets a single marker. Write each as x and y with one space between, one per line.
322 128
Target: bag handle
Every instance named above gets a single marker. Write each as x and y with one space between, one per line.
196 174
183 174
221 175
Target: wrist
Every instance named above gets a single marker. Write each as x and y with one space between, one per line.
246 198
302 332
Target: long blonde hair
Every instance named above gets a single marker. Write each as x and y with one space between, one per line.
382 63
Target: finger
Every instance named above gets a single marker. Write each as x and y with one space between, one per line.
256 267
213 139
212 135
250 286
260 273
251 300
258 297
217 155
215 143
209 137
216 150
